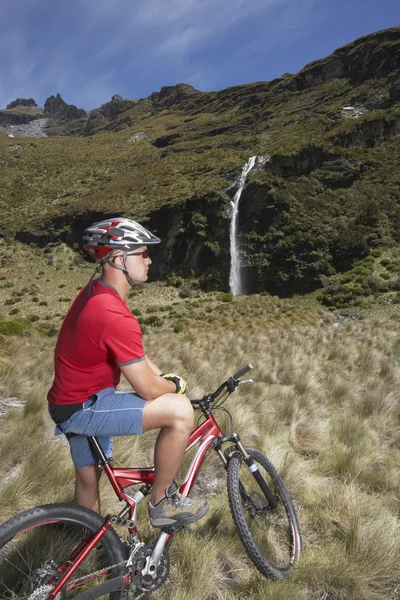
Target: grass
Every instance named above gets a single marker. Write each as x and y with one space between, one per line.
324 408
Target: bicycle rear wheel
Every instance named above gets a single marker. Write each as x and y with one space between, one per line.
269 534
37 542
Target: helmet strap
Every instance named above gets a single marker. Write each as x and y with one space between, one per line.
89 285
123 268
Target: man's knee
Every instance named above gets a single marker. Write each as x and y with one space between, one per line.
184 410
168 410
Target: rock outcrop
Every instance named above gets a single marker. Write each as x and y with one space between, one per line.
56 108
22 102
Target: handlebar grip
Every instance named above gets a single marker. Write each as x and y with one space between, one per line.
242 371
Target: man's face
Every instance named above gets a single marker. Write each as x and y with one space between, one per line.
137 265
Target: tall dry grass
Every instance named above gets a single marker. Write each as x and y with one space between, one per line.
324 408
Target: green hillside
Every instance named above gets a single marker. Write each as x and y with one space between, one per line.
327 195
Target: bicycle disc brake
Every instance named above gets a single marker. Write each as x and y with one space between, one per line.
147 583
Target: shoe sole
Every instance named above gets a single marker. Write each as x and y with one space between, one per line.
166 522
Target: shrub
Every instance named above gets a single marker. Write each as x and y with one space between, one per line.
12 328
225 297
376 252
52 331
184 292
386 275
35 299
43 303
8 284
62 285
14 311
392 267
369 259
360 270
385 261
179 327
154 321
33 318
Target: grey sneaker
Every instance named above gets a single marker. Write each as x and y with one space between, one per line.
176 509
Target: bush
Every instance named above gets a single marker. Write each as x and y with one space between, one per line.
43 303
52 331
154 321
225 297
12 328
392 267
179 327
184 292
385 261
385 275
14 311
360 270
8 284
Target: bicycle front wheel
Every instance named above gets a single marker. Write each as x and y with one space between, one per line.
38 544
264 515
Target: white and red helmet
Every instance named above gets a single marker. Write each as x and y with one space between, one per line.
116 233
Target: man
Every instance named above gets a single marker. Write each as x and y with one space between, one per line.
99 339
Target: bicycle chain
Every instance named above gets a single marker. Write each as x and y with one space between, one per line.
98 572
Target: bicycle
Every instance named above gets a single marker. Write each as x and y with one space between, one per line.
57 550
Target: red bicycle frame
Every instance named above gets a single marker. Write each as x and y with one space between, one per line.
123 478
120 479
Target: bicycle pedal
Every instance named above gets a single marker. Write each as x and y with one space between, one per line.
173 529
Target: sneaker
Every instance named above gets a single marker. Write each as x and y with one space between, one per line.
176 509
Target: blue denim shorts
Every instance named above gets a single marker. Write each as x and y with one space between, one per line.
112 413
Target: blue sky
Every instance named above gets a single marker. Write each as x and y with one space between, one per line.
89 50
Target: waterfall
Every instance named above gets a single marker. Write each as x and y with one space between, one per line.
235 283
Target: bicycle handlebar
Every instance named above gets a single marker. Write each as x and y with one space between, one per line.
231 382
242 371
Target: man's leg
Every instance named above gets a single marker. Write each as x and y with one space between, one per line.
173 414
87 487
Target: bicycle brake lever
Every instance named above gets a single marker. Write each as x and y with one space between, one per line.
246 381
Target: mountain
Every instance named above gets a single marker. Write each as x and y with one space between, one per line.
326 195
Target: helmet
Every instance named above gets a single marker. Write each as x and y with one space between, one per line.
116 233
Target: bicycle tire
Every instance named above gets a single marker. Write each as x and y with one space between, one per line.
279 525
32 539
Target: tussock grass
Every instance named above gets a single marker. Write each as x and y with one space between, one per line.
324 408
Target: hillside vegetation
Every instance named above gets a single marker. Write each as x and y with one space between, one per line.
327 194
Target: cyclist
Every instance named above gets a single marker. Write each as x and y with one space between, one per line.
99 339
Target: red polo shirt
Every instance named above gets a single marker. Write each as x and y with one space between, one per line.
98 336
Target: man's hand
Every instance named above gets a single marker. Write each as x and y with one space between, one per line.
179 382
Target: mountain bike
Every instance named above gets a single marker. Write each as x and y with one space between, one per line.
62 551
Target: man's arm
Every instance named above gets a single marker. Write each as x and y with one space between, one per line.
153 367
147 384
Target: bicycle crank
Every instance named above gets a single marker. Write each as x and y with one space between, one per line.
145 582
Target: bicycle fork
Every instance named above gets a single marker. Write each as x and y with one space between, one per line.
247 459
